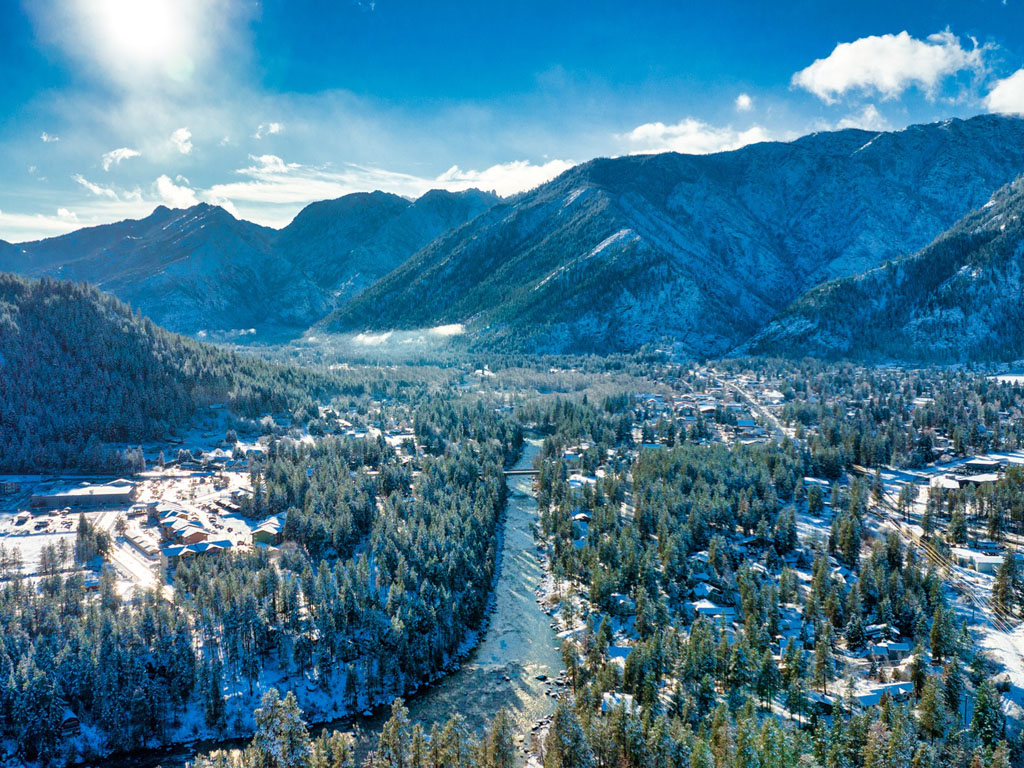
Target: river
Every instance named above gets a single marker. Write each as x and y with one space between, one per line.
517 646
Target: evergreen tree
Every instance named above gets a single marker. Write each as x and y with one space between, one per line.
501 750
932 716
988 721
566 745
281 739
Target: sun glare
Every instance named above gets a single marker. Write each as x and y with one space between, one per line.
144 32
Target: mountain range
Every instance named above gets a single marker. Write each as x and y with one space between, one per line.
203 272
697 251
708 254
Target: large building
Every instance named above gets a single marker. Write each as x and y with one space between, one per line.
119 493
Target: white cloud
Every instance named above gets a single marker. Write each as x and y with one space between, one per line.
273 190
48 138
96 189
869 119
744 103
182 140
888 65
223 202
267 129
690 136
1007 95
66 215
504 178
174 195
115 156
21 227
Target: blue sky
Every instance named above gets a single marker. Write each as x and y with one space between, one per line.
115 106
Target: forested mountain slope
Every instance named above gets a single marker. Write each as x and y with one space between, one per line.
698 250
202 270
346 244
961 298
194 269
78 368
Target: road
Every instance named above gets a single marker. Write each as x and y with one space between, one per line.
128 560
757 407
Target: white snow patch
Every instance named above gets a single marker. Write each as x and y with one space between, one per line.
622 234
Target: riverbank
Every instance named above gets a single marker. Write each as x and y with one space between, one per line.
496 666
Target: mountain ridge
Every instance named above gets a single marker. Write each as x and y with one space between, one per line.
79 369
201 270
698 251
695 252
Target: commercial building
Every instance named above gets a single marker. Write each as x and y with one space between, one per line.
119 493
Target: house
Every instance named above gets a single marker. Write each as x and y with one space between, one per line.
987 563
709 609
194 535
178 553
979 561
69 723
210 547
876 630
897 691
703 591
266 537
889 651
7 487
898 651
945 482
612 700
979 466
821 703
174 526
269 532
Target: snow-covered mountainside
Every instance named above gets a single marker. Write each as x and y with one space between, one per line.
202 270
190 270
700 251
347 244
959 299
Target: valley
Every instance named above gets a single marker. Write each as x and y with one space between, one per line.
689 461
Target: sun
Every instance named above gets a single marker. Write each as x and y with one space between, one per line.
146 33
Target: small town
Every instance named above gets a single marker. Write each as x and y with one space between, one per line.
389 384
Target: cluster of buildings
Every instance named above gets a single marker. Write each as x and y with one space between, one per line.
186 537
977 471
